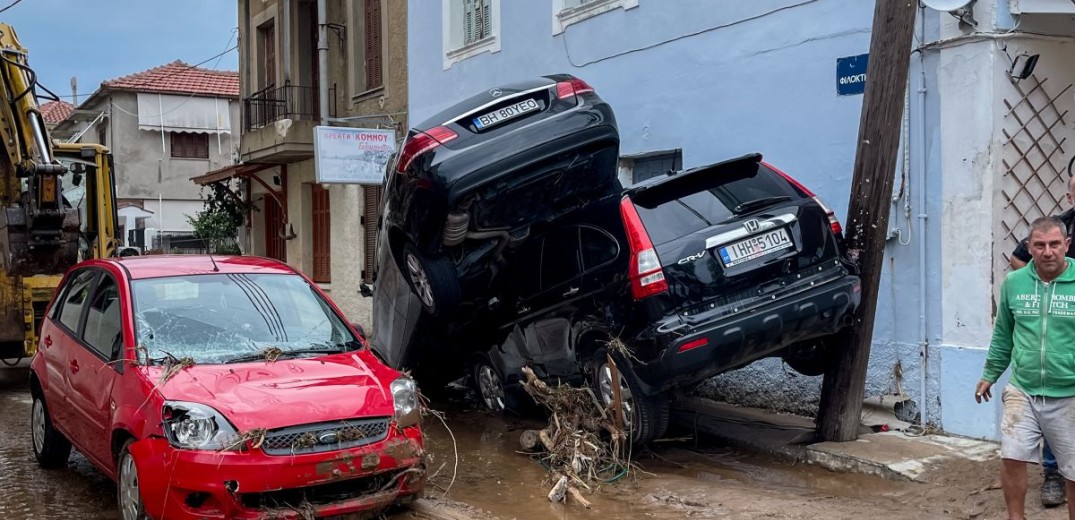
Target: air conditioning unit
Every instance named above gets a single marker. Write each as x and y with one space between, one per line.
1042 7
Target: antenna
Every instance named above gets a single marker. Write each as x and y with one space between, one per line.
209 253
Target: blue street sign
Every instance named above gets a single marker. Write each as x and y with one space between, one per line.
851 75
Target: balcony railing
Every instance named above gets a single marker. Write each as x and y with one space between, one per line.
272 103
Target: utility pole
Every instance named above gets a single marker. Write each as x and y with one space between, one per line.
840 410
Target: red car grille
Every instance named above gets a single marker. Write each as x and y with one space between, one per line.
321 437
321 494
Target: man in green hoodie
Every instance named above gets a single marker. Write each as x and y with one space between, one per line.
1035 334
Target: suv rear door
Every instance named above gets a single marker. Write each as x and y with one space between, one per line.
732 234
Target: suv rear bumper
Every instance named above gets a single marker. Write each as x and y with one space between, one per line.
739 339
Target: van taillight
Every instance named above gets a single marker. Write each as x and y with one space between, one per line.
573 87
421 143
645 271
834 222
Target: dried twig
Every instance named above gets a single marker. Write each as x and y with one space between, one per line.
272 354
306 440
256 437
173 366
455 449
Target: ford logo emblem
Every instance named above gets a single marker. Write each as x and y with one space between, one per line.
327 438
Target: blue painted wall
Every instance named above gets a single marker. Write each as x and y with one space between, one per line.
719 79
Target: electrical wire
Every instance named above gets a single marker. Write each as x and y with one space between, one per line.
191 96
567 50
13 4
188 67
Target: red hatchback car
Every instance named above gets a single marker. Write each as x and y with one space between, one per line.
224 387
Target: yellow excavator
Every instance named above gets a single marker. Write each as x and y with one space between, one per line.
57 204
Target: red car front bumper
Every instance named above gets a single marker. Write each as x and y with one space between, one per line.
182 484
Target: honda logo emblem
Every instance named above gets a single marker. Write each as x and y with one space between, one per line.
495 92
752 225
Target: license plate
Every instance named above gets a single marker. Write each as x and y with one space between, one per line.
504 114
755 247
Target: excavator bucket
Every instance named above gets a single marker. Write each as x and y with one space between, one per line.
30 248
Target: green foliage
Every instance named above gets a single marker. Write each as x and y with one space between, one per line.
219 220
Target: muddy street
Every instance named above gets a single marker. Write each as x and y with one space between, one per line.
684 478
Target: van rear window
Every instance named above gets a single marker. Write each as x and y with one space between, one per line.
702 199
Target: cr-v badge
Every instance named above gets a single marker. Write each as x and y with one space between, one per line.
691 258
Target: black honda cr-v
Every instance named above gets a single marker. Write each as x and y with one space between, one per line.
680 278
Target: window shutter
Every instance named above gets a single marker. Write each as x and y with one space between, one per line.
469 21
486 19
370 213
374 64
274 225
319 207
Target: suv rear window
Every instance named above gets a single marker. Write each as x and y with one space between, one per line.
679 207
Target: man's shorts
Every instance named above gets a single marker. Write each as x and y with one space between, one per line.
1027 419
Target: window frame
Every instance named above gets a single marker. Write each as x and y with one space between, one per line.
565 234
184 148
587 270
563 15
114 353
357 67
57 313
453 39
265 44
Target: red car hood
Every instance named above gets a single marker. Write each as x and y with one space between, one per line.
286 392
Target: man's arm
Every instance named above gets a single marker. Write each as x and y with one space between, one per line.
1000 348
1020 255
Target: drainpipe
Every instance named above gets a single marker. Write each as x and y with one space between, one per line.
287 42
923 338
322 58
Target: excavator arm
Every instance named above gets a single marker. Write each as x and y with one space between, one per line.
39 230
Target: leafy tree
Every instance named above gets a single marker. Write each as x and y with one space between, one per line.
220 218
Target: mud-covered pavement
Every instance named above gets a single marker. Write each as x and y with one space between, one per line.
677 479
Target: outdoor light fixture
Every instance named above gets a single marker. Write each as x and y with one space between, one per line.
1023 66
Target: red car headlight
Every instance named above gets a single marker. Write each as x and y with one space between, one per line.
405 399
195 426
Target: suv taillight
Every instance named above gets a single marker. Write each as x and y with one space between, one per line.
645 271
834 222
573 87
421 143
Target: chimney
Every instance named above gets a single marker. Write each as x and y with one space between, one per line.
74 91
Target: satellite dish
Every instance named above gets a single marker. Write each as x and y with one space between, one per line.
947 5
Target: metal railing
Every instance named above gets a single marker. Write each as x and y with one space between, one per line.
272 103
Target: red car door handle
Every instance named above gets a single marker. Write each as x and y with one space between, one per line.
48 341
74 366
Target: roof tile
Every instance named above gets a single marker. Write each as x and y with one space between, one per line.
56 111
179 78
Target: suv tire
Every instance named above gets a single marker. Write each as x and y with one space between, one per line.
51 448
433 280
649 413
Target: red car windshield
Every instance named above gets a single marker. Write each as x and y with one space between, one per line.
216 318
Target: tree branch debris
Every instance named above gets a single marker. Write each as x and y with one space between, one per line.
582 444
